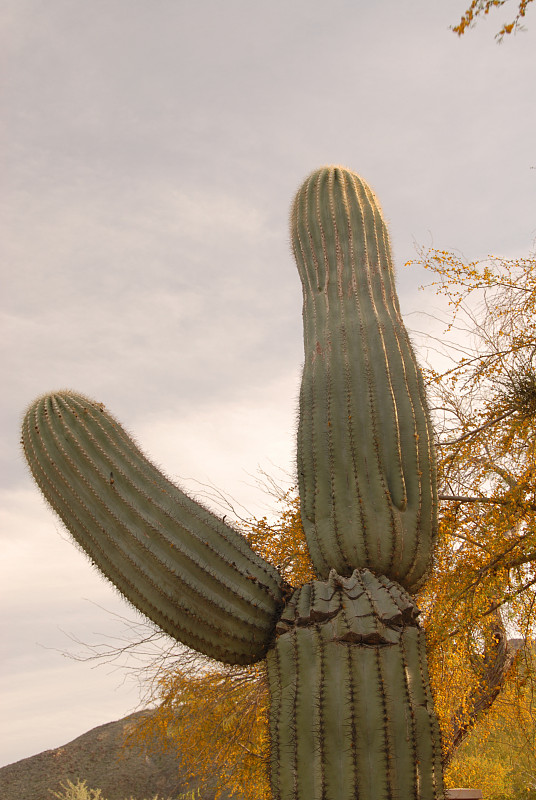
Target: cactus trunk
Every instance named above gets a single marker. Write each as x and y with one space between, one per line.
351 710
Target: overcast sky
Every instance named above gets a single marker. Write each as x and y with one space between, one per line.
151 152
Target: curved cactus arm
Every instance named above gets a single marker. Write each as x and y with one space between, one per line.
174 560
365 460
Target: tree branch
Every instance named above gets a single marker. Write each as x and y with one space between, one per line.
502 501
494 666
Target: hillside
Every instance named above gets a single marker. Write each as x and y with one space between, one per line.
98 758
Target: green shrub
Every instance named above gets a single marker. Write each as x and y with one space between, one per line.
81 791
77 791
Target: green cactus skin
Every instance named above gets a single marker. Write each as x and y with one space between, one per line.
365 460
179 564
351 710
351 713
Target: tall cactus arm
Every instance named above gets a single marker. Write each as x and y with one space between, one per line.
365 459
175 561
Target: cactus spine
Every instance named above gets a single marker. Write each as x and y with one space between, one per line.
351 711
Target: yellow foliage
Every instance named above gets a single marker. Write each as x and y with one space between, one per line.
500 755
215 719
478 7
283 543
484 405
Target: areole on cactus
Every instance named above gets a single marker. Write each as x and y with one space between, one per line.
351 709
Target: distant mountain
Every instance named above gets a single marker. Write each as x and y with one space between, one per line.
98 758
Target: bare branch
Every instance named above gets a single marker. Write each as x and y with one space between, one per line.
492 669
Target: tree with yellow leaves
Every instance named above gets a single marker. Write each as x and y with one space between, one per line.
483 588
478 7
499 756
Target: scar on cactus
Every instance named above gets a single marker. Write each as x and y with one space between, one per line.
351 712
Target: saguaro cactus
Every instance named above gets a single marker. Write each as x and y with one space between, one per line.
351 710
